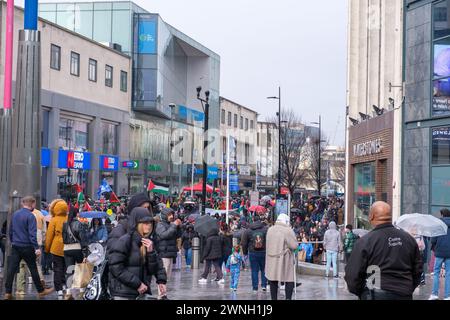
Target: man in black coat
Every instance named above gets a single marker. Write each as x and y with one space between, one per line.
133 261
166 235
212 254
385 264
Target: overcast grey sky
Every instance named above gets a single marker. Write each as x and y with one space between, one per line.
299 45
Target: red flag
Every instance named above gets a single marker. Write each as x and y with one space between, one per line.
113 198
87 207
77 206
78 188
150 186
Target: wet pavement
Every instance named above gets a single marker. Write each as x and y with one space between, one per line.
184 286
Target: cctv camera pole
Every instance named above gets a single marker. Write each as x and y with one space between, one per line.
320 155
205 146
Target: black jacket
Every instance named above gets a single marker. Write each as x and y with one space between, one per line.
166 235
137 201
186 239
248 235
397 255
119 231
213 247
441 245
227 244
80 234
128 269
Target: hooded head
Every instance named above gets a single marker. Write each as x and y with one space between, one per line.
332 225
138 201
165 213
283 218
59 208
139 216
380 213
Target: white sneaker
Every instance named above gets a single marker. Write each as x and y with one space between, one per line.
447 299
60 293
433 297
282 287
221 281
203 281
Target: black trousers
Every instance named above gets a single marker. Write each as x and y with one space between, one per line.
72 257
217 267
28 255
289 287
383 295
59 272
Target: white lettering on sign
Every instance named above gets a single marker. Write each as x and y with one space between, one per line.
78 156
78 165
368 148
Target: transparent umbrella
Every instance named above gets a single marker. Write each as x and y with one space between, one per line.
422 224
360 232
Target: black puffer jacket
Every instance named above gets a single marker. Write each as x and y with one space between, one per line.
166 236
79 234
128 269
248 235
213 247
227 244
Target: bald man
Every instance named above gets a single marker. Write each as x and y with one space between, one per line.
386 263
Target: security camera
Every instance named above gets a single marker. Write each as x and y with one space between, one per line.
199 89
172 105
207 94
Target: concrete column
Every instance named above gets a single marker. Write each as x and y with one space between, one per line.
95 147
123 150
53 145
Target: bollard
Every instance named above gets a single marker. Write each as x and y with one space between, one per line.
195 253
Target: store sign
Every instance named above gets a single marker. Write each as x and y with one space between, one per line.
244 170
368 148
213 173
147 37
74 160
234 183
154 168
132 164
45 157
254 198
109 163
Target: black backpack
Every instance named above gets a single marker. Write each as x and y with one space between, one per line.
259 240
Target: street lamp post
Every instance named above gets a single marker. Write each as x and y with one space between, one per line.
279 136
172 106
205 144
320 153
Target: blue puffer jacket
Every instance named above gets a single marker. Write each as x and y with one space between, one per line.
441 245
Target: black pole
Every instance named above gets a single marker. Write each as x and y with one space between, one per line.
145 174
205 165
279 140
320 155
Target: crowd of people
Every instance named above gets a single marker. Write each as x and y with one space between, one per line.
146 238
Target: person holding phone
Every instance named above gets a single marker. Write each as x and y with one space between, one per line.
133 260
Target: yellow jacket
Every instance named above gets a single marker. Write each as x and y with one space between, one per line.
54 240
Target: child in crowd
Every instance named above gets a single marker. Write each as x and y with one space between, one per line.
307 248
233 267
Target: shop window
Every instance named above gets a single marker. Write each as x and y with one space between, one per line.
364 193
441 19
440 189
441 146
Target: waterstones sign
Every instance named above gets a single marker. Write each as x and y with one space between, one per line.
368 148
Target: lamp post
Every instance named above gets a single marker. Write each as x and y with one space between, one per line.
172 106
279 136
205 106
320 153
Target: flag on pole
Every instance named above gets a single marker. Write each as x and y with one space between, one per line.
103 188
159 188
150 186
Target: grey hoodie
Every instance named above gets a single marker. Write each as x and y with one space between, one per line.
332 239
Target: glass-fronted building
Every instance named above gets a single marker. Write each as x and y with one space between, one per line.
168 66
426 111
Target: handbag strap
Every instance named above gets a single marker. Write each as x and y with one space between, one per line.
69 229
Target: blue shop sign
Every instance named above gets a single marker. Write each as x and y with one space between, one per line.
109 163
147 37
213 173
74 160
234 183
45 157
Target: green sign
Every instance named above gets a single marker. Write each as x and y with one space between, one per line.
154 167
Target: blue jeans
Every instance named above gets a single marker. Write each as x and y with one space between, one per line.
437 271
188 256
257 264
331 259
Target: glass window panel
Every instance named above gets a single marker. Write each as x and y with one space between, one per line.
47 7
121 32
440 189
235 120
364 193
74 64
441 145
84 6
223 117
441 97
123 81
242 123
50 16
121 5
66 19
441 19
92 71
102 26
108 76
145 88
246 124
102 5
441 58
83 23
436 210
55 57
109 138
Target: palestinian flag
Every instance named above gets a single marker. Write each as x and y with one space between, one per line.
159 188
80 197
87 207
